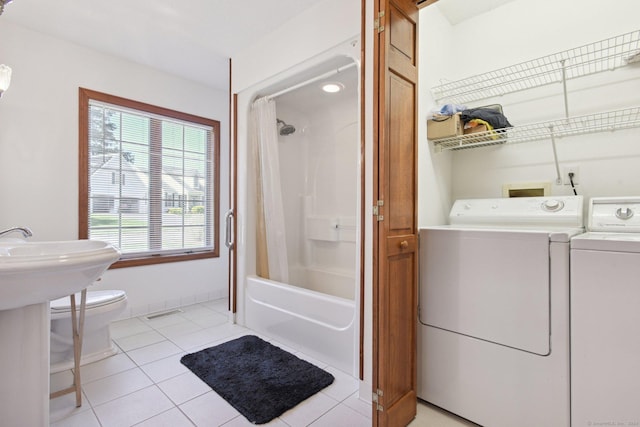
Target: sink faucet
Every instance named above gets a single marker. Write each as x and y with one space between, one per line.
26 232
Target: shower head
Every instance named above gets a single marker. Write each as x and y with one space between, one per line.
285 129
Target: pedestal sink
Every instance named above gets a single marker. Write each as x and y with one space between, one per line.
32 274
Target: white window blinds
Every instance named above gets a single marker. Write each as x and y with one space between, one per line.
151 181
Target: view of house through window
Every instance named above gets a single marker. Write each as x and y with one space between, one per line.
152 179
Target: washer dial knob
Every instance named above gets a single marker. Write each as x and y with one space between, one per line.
624 213
552 205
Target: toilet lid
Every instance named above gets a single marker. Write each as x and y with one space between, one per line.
94 299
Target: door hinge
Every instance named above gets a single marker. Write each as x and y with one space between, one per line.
377 208
378 25
376 395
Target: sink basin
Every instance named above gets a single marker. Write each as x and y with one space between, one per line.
37 272
32 274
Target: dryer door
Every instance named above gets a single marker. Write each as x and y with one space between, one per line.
490 285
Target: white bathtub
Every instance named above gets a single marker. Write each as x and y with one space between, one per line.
322 326
337 283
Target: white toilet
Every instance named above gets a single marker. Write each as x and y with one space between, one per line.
102 307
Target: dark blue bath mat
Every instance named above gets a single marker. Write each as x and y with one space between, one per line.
259 379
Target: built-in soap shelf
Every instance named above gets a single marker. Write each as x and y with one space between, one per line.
604 55
330 228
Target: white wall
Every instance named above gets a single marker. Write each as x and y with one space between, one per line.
39 153
514 33
434 169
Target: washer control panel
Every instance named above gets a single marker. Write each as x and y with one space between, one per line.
565 211
614 214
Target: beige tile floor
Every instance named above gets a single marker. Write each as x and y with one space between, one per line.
146 385
431 416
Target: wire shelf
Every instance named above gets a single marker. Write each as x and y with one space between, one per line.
598 122
592 58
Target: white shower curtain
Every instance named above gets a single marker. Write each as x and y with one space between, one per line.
264 139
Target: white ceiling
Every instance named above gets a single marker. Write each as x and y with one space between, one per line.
457 11
189 38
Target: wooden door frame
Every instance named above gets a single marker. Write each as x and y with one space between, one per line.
232 291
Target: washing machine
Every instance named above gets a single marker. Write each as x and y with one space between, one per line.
493 333
605 315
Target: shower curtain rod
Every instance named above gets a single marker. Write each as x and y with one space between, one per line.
311 80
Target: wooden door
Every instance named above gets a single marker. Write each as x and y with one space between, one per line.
395 231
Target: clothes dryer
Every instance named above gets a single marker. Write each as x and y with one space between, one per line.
493 341
605 315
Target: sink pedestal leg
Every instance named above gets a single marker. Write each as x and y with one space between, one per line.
24 366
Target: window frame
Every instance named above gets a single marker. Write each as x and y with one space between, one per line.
85 96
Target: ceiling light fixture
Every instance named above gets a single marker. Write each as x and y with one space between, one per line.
2 3
332 87
5 77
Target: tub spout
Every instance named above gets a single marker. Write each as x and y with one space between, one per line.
26 232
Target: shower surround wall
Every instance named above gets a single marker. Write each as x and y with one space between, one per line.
317 310
319 167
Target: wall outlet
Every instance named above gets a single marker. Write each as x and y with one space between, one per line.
576 175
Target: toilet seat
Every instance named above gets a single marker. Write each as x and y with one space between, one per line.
94 299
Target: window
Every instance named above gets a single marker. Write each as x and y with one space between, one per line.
168 209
